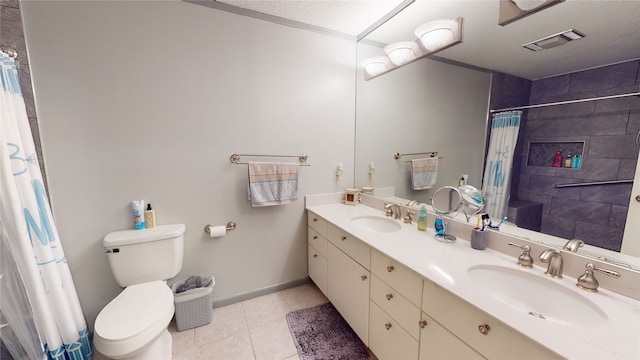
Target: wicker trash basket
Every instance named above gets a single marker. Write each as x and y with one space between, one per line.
194 306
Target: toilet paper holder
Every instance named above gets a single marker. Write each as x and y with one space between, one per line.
231 225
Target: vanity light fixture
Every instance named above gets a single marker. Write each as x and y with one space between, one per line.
554 40
432 37
401 52
512 10
376 65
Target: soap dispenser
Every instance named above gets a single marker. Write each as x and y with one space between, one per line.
422 219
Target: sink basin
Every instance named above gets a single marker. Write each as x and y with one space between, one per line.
537 296
375 223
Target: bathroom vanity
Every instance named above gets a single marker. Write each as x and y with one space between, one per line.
408 296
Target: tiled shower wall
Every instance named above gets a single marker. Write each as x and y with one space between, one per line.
12 35
595 214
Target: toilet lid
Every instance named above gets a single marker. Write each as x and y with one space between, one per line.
138 308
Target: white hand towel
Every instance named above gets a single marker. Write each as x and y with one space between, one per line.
424 173
272 183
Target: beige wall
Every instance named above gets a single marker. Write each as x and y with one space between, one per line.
149 99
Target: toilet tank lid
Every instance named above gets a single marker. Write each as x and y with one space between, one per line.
128 237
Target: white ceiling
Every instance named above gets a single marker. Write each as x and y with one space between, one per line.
612 29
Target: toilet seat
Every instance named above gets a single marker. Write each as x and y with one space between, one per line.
135 318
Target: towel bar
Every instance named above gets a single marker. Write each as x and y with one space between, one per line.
397 156
235 158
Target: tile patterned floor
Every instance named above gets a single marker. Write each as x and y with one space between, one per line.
254 329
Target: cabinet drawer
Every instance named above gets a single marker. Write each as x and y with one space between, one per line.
317 268
350 245
317 241
317 223
397 306
398 276
464 320
387 339
437 343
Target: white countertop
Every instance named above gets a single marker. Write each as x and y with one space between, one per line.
446 264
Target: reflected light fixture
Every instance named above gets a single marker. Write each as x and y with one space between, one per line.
376 65
512 10
554 40
401 52
436 34
432 37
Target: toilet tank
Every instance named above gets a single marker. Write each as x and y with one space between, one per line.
138 256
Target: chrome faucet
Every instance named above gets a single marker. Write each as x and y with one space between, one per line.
573 245
554 258
393 210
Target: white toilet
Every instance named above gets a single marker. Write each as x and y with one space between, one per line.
134 324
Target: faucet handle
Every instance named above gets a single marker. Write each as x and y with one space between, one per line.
525 259
407 216
387 210
588 282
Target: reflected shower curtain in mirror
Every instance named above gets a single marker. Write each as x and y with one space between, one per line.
32 236
497 172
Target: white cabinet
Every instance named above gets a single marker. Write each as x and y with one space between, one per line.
480 331
396 292
348 284
387 339
437 343
317 251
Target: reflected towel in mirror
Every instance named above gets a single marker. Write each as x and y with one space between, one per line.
272 183
424 173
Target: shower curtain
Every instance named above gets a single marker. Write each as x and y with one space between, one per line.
497 173
33 238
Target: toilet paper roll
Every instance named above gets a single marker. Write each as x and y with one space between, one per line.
217 231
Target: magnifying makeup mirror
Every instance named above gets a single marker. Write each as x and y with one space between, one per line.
472 202
446 202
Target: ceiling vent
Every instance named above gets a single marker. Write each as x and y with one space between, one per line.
554 40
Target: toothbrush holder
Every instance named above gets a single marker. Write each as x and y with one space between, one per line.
478 239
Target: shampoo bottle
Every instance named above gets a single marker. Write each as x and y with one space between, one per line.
150 217
138 214
422 219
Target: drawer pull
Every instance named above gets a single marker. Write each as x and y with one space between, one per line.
387 326
315 237
315 219
484 329
389 297
344 238
390 268
423 324
363 277
315 256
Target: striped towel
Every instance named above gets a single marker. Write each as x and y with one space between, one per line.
424 173
272 183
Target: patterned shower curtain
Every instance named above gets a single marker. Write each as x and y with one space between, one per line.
32 235
497 172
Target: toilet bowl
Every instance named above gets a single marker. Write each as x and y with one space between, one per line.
134 324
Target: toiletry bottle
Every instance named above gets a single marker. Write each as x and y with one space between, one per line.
567 161
138 214
579 164
150 217
557 159
422 219
461 182
439 227
574 162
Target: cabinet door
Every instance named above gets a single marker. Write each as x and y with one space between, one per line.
481 331
437 343
348 285
318 269
388 339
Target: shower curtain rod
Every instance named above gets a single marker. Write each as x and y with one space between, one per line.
9 51
566 102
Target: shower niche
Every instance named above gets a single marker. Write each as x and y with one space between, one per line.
541 153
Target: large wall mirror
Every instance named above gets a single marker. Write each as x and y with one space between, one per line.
441 103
